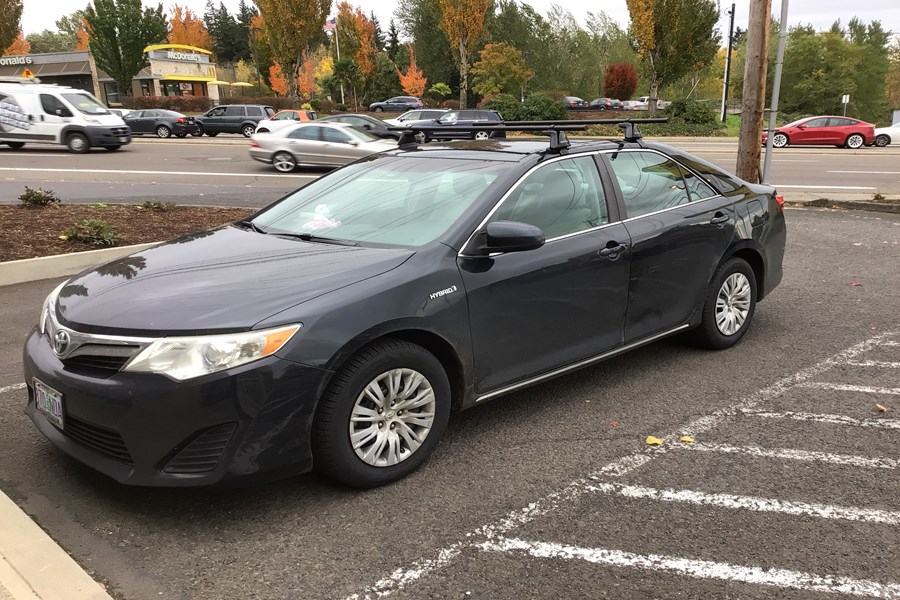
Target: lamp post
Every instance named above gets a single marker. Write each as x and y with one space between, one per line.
253 33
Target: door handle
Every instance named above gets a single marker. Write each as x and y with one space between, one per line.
613 250
719 219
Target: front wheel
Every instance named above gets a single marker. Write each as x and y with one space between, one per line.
482 135
882 140
78 143
197 132
163 132
729 307
779 140
378 109
248 130
382 416
855 141
284 162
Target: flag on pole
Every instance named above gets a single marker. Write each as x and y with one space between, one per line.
330 24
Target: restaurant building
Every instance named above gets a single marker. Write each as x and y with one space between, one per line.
173 70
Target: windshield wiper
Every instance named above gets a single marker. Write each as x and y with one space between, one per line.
251 225
311 237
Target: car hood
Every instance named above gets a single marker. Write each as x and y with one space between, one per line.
225 279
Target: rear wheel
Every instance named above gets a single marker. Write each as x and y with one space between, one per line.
163 131
729 307
382 416
284 162
15 145
248 130
378 109
882 140
198 132
780 140
78 143
482 135
855 141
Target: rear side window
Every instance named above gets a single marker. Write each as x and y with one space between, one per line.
649 182
723 182
697 188
254 111
269 111
234 111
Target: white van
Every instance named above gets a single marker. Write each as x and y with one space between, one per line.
53 114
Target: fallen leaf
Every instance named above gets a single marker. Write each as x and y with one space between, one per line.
855 284
615 423
63 237
686 439
653 441
881 407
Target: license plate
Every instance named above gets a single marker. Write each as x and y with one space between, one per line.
123 139
49 402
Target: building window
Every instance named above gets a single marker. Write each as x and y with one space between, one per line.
146 87
111 91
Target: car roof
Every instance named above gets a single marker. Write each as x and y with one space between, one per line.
504 150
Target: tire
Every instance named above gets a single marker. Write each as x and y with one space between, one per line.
263 130
780 140
77 143
882 140
212 133
482 135
163 132
15 145
378 109
855 141
734 278
248 130
378 364
113 148
198 132
180 135
421 138
284 162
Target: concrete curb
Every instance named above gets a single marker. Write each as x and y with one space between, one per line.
34 567
59 265
855 205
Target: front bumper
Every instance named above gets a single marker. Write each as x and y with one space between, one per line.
108 136
144 429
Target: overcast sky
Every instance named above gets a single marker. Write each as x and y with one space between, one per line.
41 14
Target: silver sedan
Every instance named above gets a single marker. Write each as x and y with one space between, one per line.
315 144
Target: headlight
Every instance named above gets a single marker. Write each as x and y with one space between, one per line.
48 305
186 357
92 121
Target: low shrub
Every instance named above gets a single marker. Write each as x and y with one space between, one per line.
507 105
91 231
695 113
451 104
315 103
183 104
276 102
159 206
325 106
39 198
675 126
341 107
537 107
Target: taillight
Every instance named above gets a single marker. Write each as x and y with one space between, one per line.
254 143
180 120
780 201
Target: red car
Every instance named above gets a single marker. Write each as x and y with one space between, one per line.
824 131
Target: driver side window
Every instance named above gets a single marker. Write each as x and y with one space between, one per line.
51 104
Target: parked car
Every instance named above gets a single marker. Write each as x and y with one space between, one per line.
824 131
416 115
283 118
340 327
234 118
315 144
376 127
120 112
574 102
161 123
645 103
633 105
397 104
605 104
460 118
885 136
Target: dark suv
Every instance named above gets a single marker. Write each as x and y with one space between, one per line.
460 118
234 118
397 104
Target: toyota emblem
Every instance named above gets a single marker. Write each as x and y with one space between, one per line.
61 342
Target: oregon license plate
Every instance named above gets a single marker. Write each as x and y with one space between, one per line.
49 402
123 139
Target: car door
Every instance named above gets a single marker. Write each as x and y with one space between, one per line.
233 119
537 311
213 120
339 147
839 129
305 143
680 228
54 116
812 131
135 121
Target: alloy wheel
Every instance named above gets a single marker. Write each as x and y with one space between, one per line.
482 135
163 131
882 140
780 140
392 417
733 303
284 162
855 141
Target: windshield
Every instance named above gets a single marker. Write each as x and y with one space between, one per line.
86 103
362 134
400 201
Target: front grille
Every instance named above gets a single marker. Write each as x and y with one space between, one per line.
104 363
203 453
120 131
105 441
100 357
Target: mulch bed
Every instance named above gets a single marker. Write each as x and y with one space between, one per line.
32 232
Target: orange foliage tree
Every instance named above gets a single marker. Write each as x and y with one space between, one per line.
82 39
185 27
306 79
463 22
19 46
277 81
413 81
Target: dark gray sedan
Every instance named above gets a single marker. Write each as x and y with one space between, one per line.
161 123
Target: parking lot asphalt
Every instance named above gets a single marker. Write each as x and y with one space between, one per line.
790 489
220 172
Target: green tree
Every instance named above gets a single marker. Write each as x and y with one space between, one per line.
378 40
420 21
50 41
291 27
11 21
393 41
348 73
439 91
673 38
501 69
385 82
230 37
119 31
71 23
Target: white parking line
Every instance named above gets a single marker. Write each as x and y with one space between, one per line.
840 387
830 419
868 172
806 509
823 187
169 173
11 388
874 363
801 455
700 569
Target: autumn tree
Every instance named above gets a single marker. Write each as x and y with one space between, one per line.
185 27
9 24
463 22
291 26
82 39
74 27
18 46
277 80
119 30
413 81
620 81
673 37
501 69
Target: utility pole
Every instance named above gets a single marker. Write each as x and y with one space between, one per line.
776 88
728 63
754 99
337 41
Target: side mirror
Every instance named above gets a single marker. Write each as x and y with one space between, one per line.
510 236
63 112
354 143
801 126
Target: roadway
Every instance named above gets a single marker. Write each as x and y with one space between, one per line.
220 171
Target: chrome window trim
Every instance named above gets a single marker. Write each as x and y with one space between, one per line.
80 338
583 363
513 187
